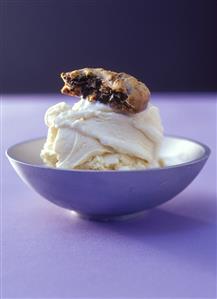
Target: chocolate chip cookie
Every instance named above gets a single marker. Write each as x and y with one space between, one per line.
122 92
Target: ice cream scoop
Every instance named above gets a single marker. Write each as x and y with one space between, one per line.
92 136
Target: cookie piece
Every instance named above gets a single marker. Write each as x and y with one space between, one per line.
124 93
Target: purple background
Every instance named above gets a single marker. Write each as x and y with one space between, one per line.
168 252
170 45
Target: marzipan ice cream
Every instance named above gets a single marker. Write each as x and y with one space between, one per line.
107 129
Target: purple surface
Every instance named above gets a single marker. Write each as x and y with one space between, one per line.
169 252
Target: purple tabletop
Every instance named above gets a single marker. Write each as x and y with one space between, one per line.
169 252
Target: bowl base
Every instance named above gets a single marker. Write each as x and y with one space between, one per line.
109 218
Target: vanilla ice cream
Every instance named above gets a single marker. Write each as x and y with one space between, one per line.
92 136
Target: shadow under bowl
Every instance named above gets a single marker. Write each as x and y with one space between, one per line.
109 194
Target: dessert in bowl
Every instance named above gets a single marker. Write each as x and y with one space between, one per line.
106 156
113 126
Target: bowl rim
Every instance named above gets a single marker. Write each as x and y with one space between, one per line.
205 156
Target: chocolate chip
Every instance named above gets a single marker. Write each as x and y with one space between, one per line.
91 85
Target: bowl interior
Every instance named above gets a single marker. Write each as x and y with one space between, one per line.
174 151
27 152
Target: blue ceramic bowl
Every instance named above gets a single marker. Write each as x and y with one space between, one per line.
107 194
